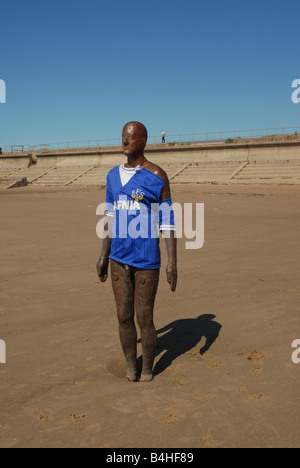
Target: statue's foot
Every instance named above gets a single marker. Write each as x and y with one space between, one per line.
131 376
146 377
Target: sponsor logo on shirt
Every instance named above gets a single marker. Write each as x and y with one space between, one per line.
126 205
137 195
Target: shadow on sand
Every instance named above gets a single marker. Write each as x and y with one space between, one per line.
181 336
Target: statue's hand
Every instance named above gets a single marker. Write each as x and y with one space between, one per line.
102 268
172 275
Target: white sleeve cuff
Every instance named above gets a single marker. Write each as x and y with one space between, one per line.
166 227
110 214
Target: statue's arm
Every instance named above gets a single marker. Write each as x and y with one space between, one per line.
103 262
171 242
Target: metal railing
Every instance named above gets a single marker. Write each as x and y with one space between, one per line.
63 145
229 136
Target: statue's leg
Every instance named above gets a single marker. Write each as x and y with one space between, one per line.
123 287
146 283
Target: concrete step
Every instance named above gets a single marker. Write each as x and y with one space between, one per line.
195 173
201 175
60 176
265 176
86 183
90 178
210 169
275 168
271 173
192 180
205 172
267 181
89 182
49 184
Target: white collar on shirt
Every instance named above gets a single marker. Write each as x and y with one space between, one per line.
127 172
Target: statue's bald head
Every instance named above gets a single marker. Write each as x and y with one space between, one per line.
134 138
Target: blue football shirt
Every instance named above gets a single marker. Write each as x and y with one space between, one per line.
138 216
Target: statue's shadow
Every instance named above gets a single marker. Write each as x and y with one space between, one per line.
181 336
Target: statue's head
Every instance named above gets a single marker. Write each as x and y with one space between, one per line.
134 139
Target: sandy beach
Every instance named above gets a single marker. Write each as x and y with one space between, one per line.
224 376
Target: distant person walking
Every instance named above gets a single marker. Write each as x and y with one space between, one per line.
163 136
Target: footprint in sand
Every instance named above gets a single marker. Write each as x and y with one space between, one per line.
254 398
205 397
178 383
214 365
77 420
170 419
251 398
44 415
253 355
195 355
207 440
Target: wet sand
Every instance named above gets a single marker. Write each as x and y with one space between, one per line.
223 376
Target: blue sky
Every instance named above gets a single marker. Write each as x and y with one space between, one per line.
80 69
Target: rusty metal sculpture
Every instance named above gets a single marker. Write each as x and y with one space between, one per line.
135 288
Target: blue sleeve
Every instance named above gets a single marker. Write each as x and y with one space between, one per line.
109 198
166 216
